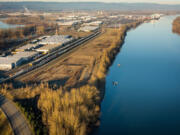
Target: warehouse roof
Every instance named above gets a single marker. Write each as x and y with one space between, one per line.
95 23
8 60
46 48
28 46
56 39
24 54
88 28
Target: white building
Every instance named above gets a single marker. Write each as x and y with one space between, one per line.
88 28
53 42
26 47
56 39
9 62
47 48
95 23
25 55
156 16
68 23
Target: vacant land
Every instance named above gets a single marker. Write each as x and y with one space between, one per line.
176 25
5 128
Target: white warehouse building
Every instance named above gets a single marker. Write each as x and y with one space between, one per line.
68 23
26 47
56 39
9 62
88 28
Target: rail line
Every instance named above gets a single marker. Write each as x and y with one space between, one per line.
49 57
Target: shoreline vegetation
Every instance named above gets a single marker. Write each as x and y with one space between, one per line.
176 25
75 111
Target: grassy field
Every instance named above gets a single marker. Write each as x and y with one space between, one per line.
5 128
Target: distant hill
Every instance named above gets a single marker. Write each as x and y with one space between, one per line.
58 6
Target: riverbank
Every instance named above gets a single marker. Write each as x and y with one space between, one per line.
176 25
108 56
75 105
146 95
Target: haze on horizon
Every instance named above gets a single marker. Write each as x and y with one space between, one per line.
108 1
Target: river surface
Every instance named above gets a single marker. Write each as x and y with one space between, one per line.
8 26
146 100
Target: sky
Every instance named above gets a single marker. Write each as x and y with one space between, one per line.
130 1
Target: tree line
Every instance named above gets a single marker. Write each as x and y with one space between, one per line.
14 36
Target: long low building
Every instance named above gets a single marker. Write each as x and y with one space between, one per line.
26 47
26 55
47 48
88 28
95 23
56 39
9 62
68 23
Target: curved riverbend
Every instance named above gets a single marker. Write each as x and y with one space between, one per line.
146 100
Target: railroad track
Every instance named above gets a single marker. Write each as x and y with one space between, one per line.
53 55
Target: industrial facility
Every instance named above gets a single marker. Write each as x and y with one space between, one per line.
95 23
28 52
26 47
56 39
88 28
9 62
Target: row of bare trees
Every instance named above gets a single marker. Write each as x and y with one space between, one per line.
10 37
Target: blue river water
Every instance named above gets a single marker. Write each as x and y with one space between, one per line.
8 26
146 100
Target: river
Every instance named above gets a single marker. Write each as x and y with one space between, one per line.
146 100
8 26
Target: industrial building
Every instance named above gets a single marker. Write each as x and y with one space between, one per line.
50 43
95 23
26 47
68 23
9 62
47 48
88 28
56 39
26 55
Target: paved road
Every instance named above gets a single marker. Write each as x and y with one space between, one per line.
18 122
